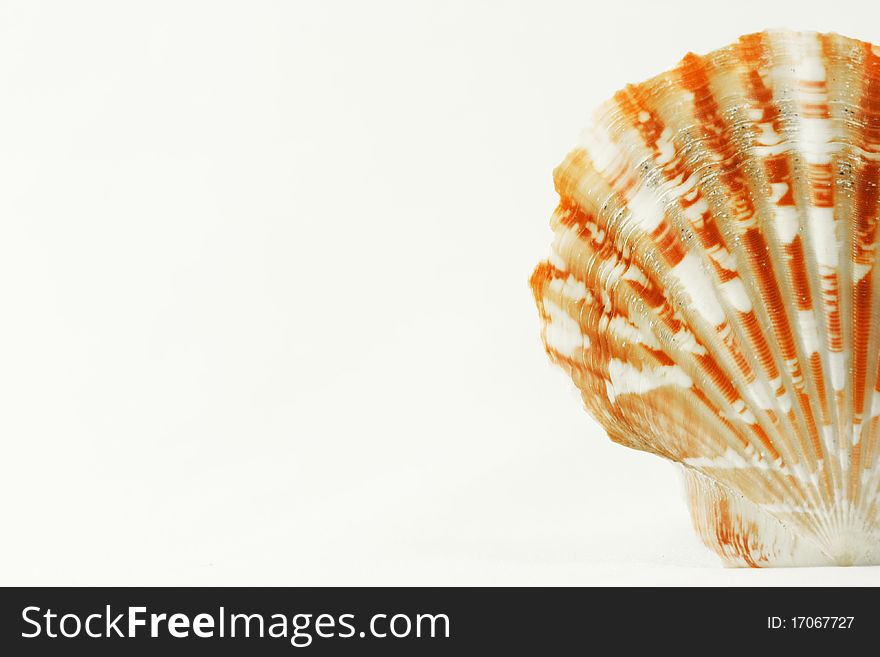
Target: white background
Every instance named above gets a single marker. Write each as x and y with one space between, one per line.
265 314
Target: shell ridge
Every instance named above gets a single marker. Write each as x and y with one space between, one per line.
816 139
766 148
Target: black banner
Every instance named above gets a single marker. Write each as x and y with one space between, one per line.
338 621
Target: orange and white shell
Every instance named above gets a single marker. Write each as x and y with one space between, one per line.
711 289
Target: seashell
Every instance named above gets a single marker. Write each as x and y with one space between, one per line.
711 290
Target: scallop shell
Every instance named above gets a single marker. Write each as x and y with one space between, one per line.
711 290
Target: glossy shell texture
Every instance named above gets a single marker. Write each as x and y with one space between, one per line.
711 289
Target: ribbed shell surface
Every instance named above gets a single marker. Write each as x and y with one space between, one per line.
711 289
